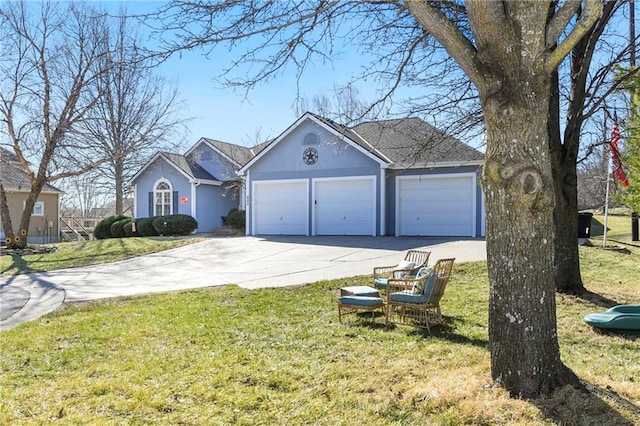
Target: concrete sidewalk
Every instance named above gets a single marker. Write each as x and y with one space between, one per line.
250 262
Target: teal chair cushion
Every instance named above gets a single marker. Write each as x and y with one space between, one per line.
360 290
419 287
380 282
407 296
429 283
364 301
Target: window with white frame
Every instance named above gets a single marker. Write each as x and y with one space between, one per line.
162 197
38 208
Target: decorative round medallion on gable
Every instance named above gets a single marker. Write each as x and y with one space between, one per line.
310 156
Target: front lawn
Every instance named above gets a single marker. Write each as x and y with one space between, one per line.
226 355
84 253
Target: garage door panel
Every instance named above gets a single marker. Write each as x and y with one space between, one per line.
281 208
344 207
436 206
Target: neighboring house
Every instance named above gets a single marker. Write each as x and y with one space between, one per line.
44 226
201 183
394 177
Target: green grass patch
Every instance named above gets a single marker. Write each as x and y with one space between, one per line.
226 355
84 253
618 226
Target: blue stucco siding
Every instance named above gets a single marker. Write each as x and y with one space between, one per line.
213 202
161 169
213 162
286 157
336 159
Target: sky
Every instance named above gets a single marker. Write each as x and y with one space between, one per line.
232 115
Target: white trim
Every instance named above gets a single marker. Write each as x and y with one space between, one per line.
194 186
153 189
473 177
33 209
205 182
448 164
276 182
135 200
483 216
248 211
383 201
372 178
474 205
189 178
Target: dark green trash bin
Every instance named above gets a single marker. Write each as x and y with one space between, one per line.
584 225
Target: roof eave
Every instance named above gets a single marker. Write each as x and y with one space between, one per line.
206 182
438 165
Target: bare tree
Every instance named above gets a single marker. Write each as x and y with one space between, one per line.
52 56
592 179
84 194
137 113
581 88
509 52
343 105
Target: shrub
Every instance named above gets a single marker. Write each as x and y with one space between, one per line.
103 228
144 227
177 224
117 227
236 218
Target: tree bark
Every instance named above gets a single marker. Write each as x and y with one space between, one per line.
118 169
7 226
567 275
519 195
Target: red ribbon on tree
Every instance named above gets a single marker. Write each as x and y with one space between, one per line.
618 170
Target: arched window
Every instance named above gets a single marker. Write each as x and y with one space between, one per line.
162 197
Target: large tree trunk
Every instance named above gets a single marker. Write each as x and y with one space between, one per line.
519 195
25 221
7 226
118 169
565 178
567 275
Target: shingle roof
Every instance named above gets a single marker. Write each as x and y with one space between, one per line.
411 142
191 168
237 153
13 176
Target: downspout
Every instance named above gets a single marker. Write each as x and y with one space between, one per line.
135 200
194 185
248 211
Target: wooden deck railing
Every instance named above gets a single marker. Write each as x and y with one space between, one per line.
77 228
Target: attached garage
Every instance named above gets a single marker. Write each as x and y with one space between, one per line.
392 177
437 205
344 206
281 207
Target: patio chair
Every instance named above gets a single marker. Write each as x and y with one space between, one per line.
416 301
413 261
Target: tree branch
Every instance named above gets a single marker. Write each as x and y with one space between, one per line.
591 13
448 34
560 20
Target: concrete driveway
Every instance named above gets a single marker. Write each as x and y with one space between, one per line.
250 262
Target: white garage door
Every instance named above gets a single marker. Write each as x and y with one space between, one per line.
280 208
436 205
345 206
